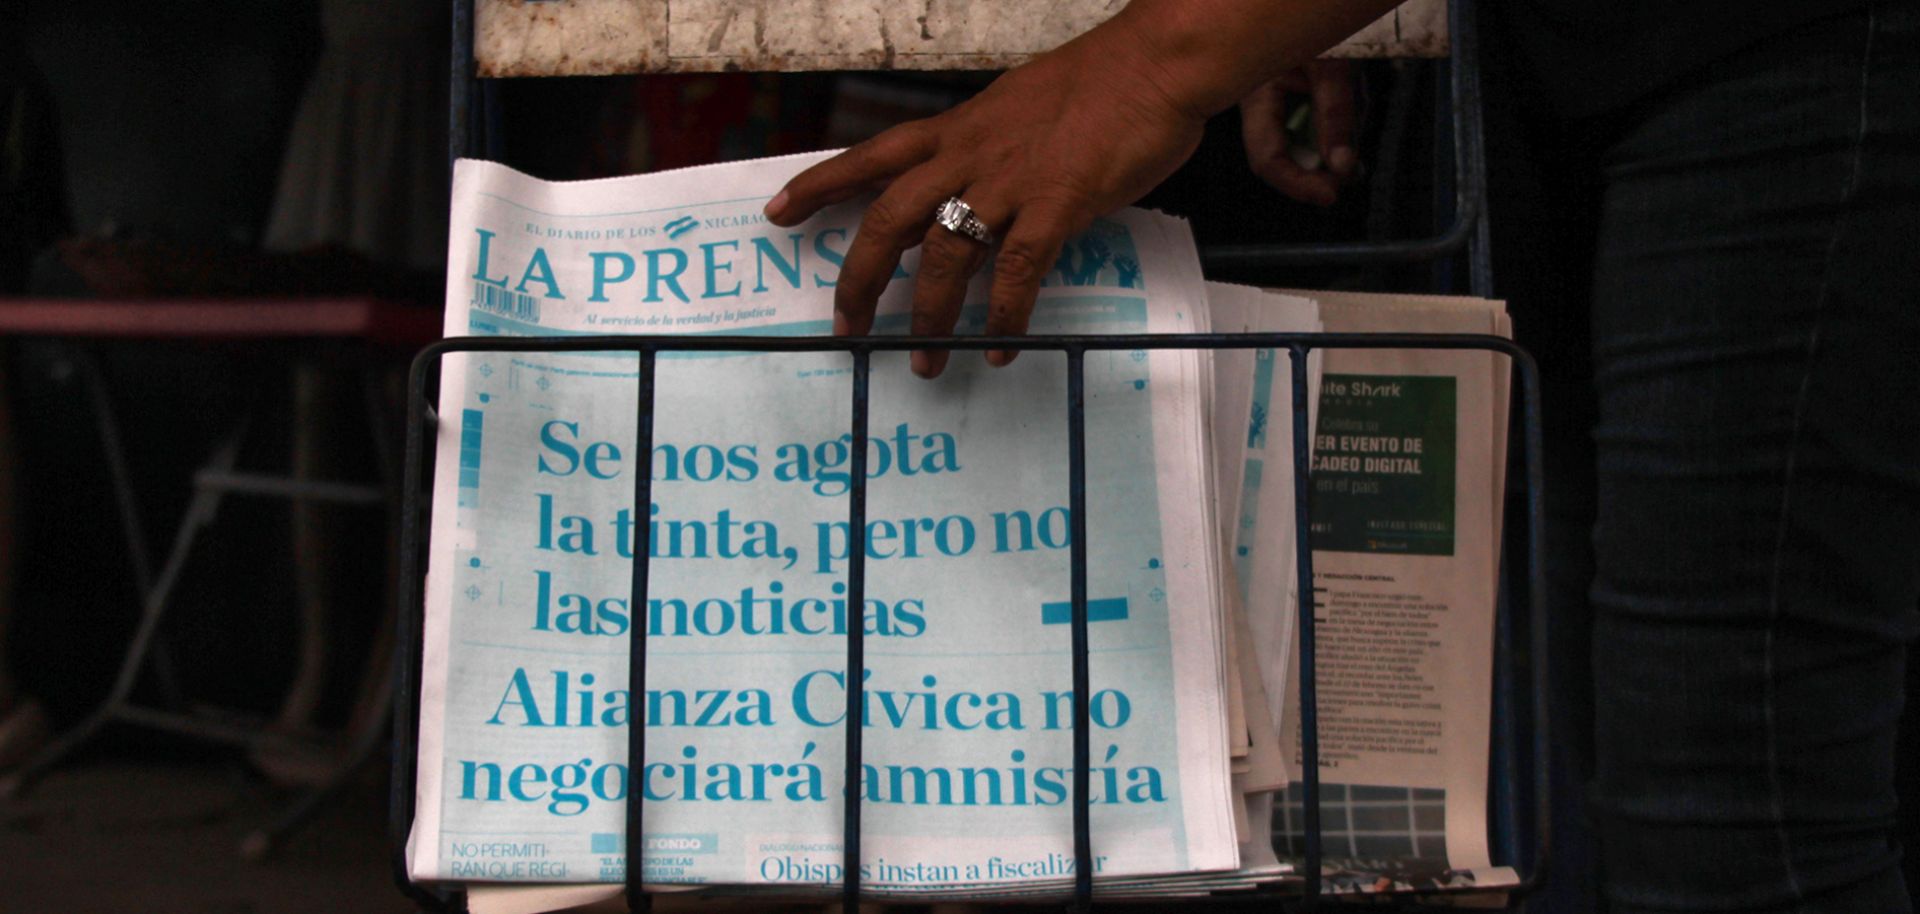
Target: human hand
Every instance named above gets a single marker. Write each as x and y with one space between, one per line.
1079 131
1313 175
1073 134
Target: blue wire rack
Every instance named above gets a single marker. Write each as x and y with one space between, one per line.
860 350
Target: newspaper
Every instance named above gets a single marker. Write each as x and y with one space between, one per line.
1409 476
525 708
524 700
1260 487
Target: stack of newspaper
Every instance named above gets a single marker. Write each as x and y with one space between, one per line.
967 768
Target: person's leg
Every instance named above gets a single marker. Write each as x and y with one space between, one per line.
1757 361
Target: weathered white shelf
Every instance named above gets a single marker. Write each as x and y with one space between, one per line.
595 37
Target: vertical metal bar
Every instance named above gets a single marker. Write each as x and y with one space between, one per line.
1470 143
1309 603
1448 188
408 621
406 730
856 632
1082 697
460 95
1529 375
637 900
1504 760
489 135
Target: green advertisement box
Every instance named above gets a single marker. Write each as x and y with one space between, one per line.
1383 464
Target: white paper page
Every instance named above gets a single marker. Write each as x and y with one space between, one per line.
1405 646
750 486
1229 306
1263 544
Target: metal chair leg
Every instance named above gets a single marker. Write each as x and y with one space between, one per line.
132 529
371 716
200 512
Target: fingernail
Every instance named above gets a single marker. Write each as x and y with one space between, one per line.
922 363
778 203
1000 358
1341 160
840 327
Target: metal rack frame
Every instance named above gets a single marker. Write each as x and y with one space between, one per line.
473 126
1468 228
647 348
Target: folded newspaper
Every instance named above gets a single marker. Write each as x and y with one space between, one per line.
967 766
1409 467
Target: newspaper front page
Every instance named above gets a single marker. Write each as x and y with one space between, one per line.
525 694
525 698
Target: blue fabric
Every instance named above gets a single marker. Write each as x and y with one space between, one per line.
1755 346
1595 56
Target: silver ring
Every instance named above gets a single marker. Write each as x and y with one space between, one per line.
957 217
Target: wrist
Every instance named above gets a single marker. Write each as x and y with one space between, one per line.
1167 44
1204 56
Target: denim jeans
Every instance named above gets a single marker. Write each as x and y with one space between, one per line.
1755 346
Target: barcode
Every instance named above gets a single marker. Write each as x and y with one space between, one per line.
517 305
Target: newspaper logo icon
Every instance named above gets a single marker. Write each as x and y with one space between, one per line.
680 226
